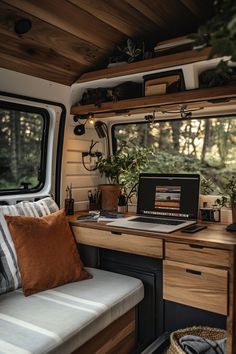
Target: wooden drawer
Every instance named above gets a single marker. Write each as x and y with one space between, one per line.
194 254
145 246
197 286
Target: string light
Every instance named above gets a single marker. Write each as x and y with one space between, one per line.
91 119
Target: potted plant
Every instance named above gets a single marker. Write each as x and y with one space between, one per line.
207 189
228 197
219 33
121 170
110 168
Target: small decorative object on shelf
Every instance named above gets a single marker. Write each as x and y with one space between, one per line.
69 201
133 51
164 82
173 45
122 91
210 214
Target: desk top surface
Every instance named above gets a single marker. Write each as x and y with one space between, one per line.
214 236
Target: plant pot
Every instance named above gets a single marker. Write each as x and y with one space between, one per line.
234 214
109 196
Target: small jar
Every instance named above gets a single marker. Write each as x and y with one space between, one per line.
69 206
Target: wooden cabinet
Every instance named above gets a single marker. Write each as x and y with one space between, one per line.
198 275
151 247
195 254
198 272
197 286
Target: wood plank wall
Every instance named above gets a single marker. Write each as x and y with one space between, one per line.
73 171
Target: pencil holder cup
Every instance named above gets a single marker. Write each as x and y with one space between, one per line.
69 206
122 209
94 206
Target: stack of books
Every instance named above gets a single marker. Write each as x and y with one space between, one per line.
173 45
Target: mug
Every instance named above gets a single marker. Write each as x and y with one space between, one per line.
210 214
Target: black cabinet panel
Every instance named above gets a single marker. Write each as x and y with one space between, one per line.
149 270
181 316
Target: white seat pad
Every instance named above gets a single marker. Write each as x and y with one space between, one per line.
62 319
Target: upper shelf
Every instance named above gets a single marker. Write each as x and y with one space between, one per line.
197 95
158 63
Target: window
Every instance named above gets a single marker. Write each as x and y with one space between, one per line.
204 145
23 138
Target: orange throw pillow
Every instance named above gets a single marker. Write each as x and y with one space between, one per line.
46 251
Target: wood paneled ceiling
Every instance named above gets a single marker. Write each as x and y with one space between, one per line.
70 37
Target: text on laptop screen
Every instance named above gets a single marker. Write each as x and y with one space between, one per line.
168 195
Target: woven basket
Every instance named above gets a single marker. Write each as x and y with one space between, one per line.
206 332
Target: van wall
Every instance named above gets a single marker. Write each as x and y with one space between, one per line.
73 171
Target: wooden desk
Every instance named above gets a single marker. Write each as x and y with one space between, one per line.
198 269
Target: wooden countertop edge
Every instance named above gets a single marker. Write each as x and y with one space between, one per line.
197 238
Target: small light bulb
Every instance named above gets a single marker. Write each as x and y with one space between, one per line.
91 119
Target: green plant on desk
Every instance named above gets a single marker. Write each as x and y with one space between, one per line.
228 196
123 168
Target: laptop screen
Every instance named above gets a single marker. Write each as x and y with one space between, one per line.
168 195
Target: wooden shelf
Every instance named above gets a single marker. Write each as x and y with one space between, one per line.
197 95
158 63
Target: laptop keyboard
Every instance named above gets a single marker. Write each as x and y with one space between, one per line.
158 221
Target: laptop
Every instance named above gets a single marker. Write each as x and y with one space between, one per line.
166 203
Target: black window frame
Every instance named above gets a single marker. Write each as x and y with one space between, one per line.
44 144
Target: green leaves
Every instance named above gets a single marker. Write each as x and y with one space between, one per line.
131 49
220 31
232 26
228 189
207 186
125 165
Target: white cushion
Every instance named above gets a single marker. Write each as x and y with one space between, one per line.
10 274
62 319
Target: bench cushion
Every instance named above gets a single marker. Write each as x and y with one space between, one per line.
62 319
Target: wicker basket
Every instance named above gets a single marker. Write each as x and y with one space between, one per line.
206 332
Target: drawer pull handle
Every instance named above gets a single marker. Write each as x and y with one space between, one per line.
196 246
116 233
196 272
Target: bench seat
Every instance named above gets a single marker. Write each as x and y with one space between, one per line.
62 319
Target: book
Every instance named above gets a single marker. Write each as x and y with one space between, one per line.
174 42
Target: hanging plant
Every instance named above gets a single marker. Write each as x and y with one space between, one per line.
219 33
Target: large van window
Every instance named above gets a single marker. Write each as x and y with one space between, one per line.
204 145
23 137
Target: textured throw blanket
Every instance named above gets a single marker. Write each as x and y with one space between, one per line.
199 345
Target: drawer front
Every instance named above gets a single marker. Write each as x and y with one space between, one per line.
194 254
196 286
145 246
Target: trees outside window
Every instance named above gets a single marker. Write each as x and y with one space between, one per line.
204 145
22 142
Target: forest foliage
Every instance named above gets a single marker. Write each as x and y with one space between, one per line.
20 148
205 146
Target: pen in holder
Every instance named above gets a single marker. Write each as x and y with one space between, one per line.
122 204
94 200
69 201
